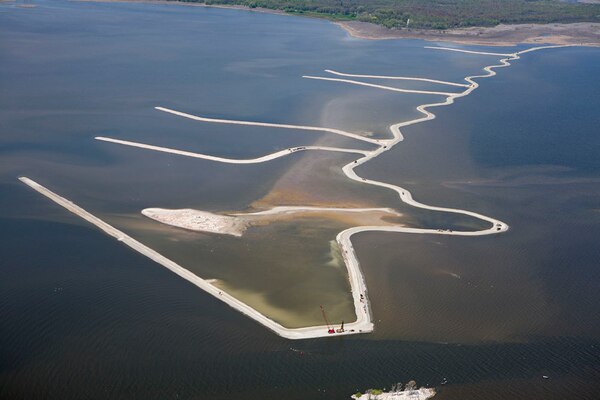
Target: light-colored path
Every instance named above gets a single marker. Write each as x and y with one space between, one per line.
546 48
363 322
269 125
373 85
268 157
496 226
482 53
401 78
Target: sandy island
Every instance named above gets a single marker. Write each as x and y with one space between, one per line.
236 224
417 394
199 221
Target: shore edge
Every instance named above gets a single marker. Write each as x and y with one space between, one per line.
578 33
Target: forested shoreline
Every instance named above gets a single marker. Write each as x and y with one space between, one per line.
430 14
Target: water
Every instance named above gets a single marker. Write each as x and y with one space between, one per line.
550 203
83 317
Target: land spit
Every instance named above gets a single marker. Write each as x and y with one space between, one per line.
235 224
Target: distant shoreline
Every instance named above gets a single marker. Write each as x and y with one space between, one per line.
579 33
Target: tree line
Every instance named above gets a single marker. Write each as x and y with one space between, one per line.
432 14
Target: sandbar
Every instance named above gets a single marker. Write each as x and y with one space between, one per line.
235 224
196 220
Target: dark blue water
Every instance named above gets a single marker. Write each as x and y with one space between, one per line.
84 317
552 118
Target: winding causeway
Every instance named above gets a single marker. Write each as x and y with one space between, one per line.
364 319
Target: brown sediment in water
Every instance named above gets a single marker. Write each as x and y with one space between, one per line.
316 180
362 324
289 195
363 218
288 317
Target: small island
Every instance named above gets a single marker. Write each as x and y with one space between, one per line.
409 392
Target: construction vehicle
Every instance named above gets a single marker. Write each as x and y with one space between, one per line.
341 328
330 330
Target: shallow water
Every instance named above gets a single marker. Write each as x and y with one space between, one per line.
83 317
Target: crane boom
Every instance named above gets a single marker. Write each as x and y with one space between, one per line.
329 328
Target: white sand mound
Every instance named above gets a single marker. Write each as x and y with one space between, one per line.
417 394
195 220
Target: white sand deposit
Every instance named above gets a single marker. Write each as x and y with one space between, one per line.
236 224
196 220
419 394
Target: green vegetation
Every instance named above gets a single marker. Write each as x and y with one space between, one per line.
432 14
